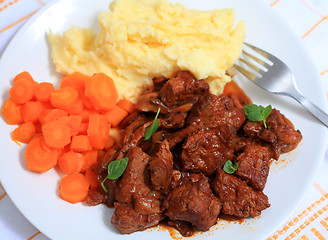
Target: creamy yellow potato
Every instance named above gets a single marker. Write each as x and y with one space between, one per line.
142 39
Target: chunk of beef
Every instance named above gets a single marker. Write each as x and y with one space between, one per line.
280 133
253 165
193 202
173 120
237 198
212 111
205 151
147 205
127 220
135 180
182 88
161 167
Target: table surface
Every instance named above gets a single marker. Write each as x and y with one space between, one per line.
308 18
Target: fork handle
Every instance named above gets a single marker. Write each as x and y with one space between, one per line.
313 109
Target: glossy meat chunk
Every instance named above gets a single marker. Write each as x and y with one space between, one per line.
237 198
127 220
212 111
193 202
135 180
207 150
182 88
161 166
254 164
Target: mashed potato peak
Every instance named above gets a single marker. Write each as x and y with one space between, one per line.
142 39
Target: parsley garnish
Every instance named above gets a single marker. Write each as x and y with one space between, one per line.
256 113
153 127
115 170
229 167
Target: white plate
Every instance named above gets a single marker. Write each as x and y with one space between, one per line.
36 195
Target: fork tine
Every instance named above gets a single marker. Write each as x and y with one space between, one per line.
258 50
252 66
246 73
259 61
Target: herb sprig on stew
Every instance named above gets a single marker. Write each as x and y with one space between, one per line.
153 127
256 113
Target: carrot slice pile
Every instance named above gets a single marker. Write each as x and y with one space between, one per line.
69 126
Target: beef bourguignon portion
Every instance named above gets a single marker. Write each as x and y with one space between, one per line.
177 175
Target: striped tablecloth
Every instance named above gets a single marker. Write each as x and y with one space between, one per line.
308 18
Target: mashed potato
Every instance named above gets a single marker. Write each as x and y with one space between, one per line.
141 39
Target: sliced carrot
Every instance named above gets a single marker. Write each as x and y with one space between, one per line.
86 113
74 188
115 115
126 105
90 158
80 143
39 157
109 142
64 98
101 91
57 134
24 133
52 114
76 108
70 162
91 177
43 91
75 80
74 122
23 89
31 111
11 112
98 130
83 130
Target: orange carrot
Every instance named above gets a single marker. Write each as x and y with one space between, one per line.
83 129
74 188
70 162
90 158
23 89
126 105
56 133
74 122
76 108
31 111
24 133
109 142
98 130
91 177
64 98
115 115
51 115
39 157
80 143
43 91
101 91
75 80
11 112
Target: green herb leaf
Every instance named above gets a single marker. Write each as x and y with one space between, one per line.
115 170
153 127
229 167
256 113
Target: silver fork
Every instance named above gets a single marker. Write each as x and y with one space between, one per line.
274 76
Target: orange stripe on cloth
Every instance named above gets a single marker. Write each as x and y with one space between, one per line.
8 4
307 222
3 196
319 188
324 223
323 72
304 238
34 235
317 234
18 21
2 1
40 2
316 25
300 216
274 3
